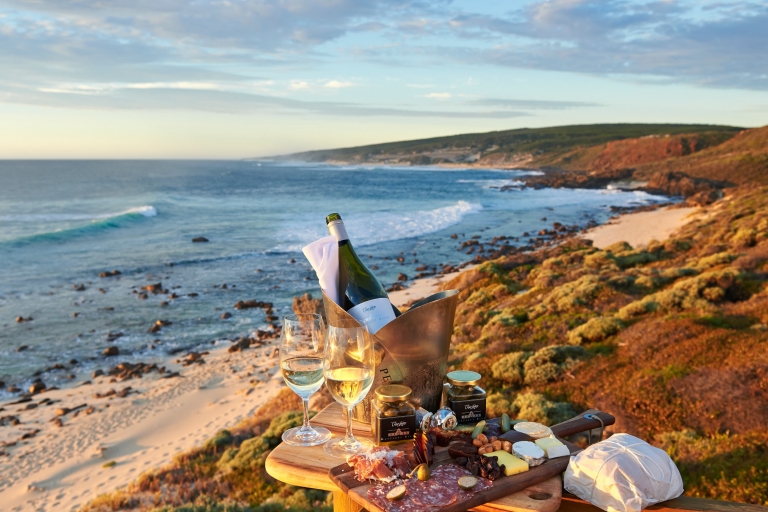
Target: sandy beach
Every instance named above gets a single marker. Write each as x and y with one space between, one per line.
62 467
638 229
48 467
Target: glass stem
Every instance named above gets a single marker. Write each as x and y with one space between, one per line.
306 426
350 438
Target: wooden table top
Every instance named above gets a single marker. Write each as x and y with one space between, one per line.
309 466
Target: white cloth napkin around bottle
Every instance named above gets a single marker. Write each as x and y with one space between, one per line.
323 255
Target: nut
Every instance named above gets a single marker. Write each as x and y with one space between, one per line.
496 445
485 449
492 439
478 443
481 437
506 446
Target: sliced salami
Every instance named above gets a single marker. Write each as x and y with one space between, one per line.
441 490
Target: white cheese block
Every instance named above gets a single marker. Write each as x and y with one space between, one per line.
529 452
553 447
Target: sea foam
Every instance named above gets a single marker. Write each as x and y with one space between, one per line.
383 226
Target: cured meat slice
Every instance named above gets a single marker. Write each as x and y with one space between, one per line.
441 490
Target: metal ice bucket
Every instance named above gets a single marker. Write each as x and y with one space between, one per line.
412 349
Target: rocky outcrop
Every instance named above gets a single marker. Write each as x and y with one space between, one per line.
307 304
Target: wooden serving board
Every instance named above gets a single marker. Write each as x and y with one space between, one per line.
343 475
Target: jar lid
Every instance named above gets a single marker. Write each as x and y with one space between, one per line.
393 393
463 378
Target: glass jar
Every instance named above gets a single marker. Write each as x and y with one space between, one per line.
464 397
393 418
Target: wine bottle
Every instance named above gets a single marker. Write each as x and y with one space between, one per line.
362 294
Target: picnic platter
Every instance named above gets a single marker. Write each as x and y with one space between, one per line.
365 494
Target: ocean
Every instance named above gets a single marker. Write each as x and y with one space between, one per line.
64 222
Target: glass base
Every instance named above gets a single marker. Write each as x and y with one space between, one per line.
342 448
312 436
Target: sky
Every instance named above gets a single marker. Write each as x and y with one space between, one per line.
250 78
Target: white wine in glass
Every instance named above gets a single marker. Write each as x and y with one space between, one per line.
348 364
301 362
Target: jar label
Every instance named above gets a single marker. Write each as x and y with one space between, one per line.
400 428
468 411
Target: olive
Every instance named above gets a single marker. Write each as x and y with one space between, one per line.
478 429
505 424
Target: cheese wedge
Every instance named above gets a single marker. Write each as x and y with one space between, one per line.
512 465
553 447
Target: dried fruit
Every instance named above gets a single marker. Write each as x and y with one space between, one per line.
396 493
467 482
461 449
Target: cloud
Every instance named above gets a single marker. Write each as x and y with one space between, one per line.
438 95
336 84
722 45
297 85
234 102
531 104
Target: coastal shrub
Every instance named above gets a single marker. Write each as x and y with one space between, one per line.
249 457
694 293
630 259
744 238
720 465
282 423
552 263
543 278
253 452
508 317
222 439
550 362
596 329
479 298
207 507
536 407
565 297
648 281
621 281
721 258
600 260
618 247
655 246
677 245
499 403
510 367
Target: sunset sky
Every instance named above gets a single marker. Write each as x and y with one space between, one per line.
242 78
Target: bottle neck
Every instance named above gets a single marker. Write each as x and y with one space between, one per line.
337 229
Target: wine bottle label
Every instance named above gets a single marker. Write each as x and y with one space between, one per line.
468 411
375 314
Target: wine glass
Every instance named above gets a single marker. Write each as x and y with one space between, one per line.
349 366
301 361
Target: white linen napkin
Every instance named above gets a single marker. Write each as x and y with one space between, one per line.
323 255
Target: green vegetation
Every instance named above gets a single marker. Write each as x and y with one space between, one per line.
669 338
556 140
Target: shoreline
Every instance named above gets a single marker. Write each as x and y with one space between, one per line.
50 467
637 228
61 468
